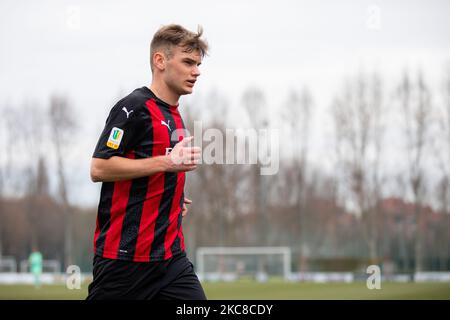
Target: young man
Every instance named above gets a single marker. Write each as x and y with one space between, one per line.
141 158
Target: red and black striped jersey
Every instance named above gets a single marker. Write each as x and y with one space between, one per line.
140 219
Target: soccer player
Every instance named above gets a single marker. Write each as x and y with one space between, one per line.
141 159
35 261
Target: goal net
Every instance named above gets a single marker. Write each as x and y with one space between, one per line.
8 264
232 263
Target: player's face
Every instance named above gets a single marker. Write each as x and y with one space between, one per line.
182 70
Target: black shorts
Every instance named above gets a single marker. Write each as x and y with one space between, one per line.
173 279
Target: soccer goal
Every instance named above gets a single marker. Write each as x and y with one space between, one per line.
232 263
8 264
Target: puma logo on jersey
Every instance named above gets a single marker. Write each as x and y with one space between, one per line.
166 124
127 112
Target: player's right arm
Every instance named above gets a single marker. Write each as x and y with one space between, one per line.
182 158
124 129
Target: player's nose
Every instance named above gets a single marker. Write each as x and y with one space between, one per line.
196 71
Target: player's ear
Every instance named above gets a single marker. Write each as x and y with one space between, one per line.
159 60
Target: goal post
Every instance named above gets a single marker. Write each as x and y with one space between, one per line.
219 261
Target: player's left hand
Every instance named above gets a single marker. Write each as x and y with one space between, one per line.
185 208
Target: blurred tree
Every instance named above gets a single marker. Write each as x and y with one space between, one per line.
415 102
297 114
357 118
32 133
62 126
255 104
442 156
2 182
9 182
42 182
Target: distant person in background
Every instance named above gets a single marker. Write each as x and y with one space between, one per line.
141 159
35 261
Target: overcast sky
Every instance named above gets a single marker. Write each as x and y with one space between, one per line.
96 51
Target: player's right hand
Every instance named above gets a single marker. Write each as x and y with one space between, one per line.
184 158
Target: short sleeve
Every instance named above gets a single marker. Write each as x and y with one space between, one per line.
121 132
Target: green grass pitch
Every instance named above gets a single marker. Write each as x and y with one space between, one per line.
255 291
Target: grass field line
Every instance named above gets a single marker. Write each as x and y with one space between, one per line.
254 290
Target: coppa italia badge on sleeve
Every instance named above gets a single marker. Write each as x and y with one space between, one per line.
115 138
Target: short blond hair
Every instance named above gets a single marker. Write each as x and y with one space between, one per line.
175 35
